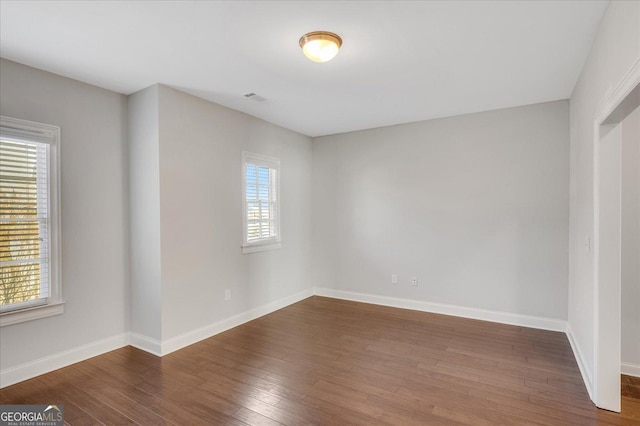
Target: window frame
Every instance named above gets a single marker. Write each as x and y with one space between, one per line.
31 131
269 243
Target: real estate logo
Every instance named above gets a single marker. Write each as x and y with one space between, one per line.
31 415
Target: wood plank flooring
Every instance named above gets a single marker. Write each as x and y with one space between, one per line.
332 362
630 386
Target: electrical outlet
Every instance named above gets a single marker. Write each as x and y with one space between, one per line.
414 281
227 295
394 279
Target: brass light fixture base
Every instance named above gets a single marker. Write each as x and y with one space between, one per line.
320 46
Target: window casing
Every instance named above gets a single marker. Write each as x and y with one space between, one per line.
260 202
29 221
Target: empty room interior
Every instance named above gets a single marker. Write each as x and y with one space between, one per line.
320 212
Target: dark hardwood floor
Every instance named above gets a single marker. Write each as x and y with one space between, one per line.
333 362
630 386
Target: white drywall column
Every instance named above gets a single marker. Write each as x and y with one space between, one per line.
144 183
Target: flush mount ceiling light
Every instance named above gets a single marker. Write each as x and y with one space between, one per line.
320 46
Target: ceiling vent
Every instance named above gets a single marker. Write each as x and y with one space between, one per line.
255 97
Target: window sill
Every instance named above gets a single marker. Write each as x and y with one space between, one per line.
29 314
260 247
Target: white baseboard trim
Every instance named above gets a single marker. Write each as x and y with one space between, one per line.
480 314
49 363
441 308
35 368
145 343
582 365
630 369
194 336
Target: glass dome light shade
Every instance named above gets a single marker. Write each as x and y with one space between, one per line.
320 46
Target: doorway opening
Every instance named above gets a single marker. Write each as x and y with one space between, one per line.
608 237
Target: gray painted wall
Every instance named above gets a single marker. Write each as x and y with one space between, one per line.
201 146
475 206
94 204
615 50
193 189
487 223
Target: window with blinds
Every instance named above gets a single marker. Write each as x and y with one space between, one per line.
26 278
261 202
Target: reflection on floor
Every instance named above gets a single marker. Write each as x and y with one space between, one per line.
326 361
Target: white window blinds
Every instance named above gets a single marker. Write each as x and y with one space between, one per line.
261 200
25 278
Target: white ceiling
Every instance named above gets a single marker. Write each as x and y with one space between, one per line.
400 61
